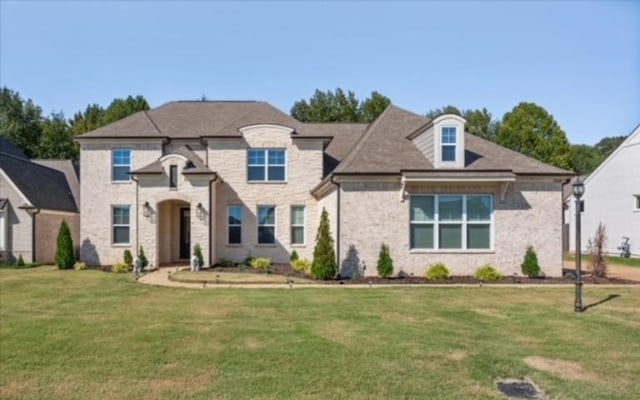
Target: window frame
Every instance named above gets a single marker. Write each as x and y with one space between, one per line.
303 225
114 225
114 165
464 223
443 144
259 225
266 165
3 229
173 176
636 203
230 225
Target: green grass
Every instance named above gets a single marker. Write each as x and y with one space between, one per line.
95 335
630 262
235 277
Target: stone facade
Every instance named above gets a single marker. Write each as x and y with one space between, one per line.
374 212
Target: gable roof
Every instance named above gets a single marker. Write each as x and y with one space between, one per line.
195 165
9 148
44 187
71 171
385 147
632 140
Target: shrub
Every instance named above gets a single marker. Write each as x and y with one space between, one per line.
120 267
294 256
197 251
301 265
226 263
596 248
261 263
64 247
143 259
385 263
128 259
437 272
79 266
247 260
324 255
20 262
487 273
530 265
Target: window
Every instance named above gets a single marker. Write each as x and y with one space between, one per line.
120 165
3 231
449 144
636 197
120 224
297 225
450 222
266 225
266 165
235 225
173 176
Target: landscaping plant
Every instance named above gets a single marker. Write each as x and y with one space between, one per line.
20 262
385 263
120 267
324 255
261 263
64 247
301 265
226 263
294 256
143 259
437 272
128 258
596 248
530 266
79 266
487 273
197 251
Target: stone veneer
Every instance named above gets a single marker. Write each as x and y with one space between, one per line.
373 213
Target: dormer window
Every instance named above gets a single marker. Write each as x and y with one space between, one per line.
449 144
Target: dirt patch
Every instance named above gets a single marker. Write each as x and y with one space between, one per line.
489 312
252 344
457 355
564 369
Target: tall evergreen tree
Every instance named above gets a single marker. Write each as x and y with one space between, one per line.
64 253
324 255
339 107
20 121
57 139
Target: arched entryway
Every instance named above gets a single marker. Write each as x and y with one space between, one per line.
174 231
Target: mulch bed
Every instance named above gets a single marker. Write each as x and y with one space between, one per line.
286 270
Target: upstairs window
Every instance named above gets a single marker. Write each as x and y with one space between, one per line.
266 165
449 144
120 165
173 176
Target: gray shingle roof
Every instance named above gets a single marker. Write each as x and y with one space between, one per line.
195 165
71 171
44 187
9 148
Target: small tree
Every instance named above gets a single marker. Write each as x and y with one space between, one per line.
294 256
596 248
324 255
20 262
143 259
385 263
530 266
128 258
64 247
197 251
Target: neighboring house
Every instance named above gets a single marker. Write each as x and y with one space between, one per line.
35 196
612 196
245 179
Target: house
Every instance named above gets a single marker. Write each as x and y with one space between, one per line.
244 179
612 196
35 197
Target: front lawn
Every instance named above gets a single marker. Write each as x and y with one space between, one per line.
235 277
97 335
611 260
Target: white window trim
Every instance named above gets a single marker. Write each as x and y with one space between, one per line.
454 145
636 202
113 164
229 225
464 223
114 206
274 225
303 225
266 165
3 230
175 168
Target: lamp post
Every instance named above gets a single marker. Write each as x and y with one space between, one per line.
578 191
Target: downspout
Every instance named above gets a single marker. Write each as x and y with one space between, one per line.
33 235
338 216
211 213
137 248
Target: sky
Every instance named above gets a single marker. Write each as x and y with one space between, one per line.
578 60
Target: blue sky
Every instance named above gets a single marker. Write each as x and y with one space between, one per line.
579 60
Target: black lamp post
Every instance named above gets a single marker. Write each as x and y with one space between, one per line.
578 191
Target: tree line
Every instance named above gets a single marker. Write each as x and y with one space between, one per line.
528 128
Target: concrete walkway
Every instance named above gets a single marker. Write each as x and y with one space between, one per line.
160 277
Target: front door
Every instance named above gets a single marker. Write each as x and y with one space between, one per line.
185 232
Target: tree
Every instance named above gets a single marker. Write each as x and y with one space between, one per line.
324 255
532 131
88 120
64 249
530 266
585 158
385 263
443 110
479 122
143 259
57 139
128 258
95 116
608 144
20 121
596 247
339 107
197 251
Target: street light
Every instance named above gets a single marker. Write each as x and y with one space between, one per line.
578 191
